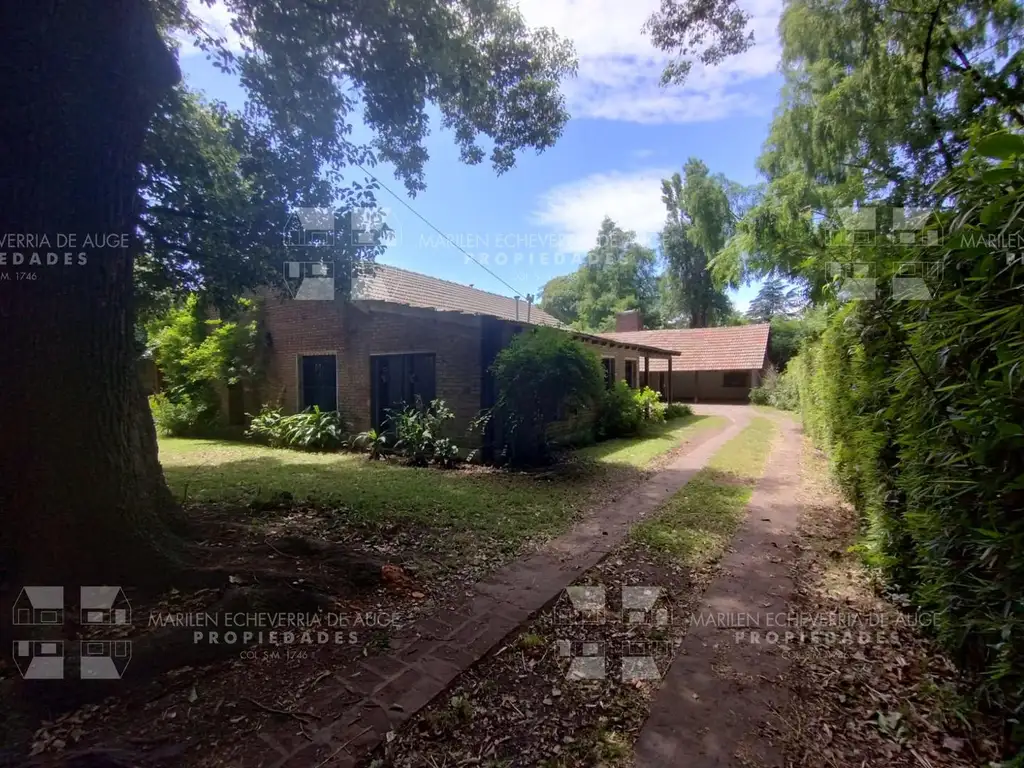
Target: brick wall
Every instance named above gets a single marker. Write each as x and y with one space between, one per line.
454 340
354 334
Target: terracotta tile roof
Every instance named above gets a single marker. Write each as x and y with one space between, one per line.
731 348
400 286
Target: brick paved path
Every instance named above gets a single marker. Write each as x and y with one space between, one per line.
720 689
365 701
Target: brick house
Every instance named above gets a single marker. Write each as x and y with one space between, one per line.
403 334
721 364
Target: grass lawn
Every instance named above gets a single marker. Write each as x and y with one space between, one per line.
507 507
771 410
638 451
695 525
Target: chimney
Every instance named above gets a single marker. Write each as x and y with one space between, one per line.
529 303
629 320
517 307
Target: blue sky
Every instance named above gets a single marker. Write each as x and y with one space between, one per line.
626 133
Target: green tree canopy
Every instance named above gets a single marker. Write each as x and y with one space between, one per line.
618 274
698 223
774 299
560 297
879 102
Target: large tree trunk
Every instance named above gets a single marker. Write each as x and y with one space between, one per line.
82 495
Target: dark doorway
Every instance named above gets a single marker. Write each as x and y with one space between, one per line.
397 381
319 385
631 373
609 371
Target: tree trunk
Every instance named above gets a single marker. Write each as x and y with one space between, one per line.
82 495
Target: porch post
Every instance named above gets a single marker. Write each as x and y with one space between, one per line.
669 388
696 385
647 370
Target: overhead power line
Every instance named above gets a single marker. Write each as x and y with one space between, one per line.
422 218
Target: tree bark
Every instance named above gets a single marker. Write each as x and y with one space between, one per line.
82 495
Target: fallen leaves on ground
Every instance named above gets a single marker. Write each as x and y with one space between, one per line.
876 692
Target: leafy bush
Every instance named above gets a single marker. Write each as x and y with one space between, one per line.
311 430
651 405
625 411
419 433
779 390
620 413
760 395
677 411
195 355
375 444
186 415
542 374
918 405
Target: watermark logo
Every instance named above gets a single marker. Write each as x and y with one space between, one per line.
854 281
102 607
105 659
105 606
911 280
910 283
373 227
587 606
39 607
310 280
915 226
310 228
871 226
363 227
39 659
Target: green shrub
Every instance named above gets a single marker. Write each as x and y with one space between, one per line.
311 430
651 405
918 405
677 411
183 416
265 426
375 444
760 395
542 374
779 390
419 433
196 356
620 413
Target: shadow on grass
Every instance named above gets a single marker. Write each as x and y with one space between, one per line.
664 432
507 505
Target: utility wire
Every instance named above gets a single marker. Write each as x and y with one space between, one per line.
442 234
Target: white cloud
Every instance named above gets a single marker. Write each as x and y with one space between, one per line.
620 69
633 201
216 20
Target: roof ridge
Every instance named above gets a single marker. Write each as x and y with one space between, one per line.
449 282
708 328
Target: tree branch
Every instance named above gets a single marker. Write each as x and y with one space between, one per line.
984 83
947 157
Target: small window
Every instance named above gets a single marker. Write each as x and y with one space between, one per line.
609 371
736 379
319 382
631 373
